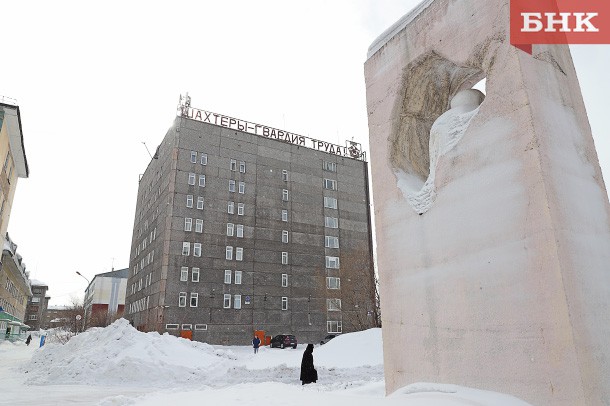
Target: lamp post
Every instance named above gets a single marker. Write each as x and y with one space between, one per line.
86 290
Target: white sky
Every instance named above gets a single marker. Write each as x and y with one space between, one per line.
95 80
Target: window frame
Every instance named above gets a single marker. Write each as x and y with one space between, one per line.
284 280
237 279
194 295
242 167
233 165
230 229
231 185
285 236
188 224
284 258
284 302
241 188
239 230
193 157
284 215
195 272
285 195
228 276
201 180
199 225
331 241
226 301
192 178
184 274
239 253
333 282
330 202
241 207
237 301
189 201
231 207
182 299
330 184
197 249
332 262
229 253
204 159
186 248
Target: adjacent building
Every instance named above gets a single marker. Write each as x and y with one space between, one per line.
242 227
37 305
15 291
12 152
105 297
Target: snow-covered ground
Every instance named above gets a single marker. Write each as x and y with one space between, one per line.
118 365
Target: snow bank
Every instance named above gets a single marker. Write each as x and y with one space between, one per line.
121 355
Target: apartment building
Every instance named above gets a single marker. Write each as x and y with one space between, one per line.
15 292
242 227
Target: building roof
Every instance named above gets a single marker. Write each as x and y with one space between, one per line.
119 273
12 120
36 282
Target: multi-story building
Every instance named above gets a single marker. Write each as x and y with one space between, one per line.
15 291
59 316
105 297
37 305
12 151
242 227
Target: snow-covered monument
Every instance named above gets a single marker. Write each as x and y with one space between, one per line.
492 221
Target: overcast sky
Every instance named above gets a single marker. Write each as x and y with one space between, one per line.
96 79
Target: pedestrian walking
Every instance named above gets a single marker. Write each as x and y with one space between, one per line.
308 372
256 342
27 340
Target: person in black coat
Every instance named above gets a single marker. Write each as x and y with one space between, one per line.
27 341
308 372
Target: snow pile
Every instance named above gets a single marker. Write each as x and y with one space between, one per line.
121 355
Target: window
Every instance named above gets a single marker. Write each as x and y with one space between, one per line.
329 166
238 277
284 280
284 303
231 208
199 203
193 157
201 326
242 187
284 236
331 242
202 180
229 252
284 258
191 178
204 159
330 202
240 209
33 317
184 274
230 228
333 326
284 215
285 175
240 231
197 249
237 301
187 326
228 276
189 200
195 275
34 299
285 195
333 283
233 164
198 225
194 299
186 248
332 262
331 222
182 299
188 224
330 184
231 185
239 254
333 305
171 326
242 166
227 301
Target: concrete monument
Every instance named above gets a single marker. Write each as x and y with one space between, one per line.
492 218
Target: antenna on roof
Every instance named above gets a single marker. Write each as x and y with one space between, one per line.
151 157
184 102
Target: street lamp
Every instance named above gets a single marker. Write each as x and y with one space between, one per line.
80 274
84 308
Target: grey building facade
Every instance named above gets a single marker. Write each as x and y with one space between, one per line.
237 232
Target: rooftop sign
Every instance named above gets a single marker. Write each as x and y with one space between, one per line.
350 150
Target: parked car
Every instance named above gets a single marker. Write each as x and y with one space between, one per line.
327 338
283 341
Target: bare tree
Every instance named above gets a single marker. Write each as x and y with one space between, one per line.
360 291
